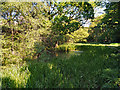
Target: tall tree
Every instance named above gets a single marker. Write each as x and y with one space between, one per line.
107 27
23 26
67 17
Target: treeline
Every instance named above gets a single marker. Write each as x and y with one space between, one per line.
31 29
105 28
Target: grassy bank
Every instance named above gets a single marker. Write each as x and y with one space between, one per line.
96 67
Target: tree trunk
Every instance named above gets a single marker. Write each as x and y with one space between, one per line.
56 45
12 41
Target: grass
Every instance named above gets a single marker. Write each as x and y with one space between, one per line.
15 76
74 46
96 67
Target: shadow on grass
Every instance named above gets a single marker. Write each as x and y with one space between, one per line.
8 83
95 68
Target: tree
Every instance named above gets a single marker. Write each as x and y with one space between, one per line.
107 28
23 26
66 18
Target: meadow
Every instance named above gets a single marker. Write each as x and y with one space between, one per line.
52 44
96 67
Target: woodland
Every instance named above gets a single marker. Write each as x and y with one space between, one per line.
46 45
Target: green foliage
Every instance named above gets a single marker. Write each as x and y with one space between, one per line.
73 9
66 19
25 24
22 31
31 31
79 35
105 28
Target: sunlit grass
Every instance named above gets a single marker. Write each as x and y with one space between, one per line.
95 67
98 44
72 46
14 76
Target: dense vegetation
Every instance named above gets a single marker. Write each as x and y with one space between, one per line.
99 71
34 33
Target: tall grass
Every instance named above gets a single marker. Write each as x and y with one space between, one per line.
95 67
